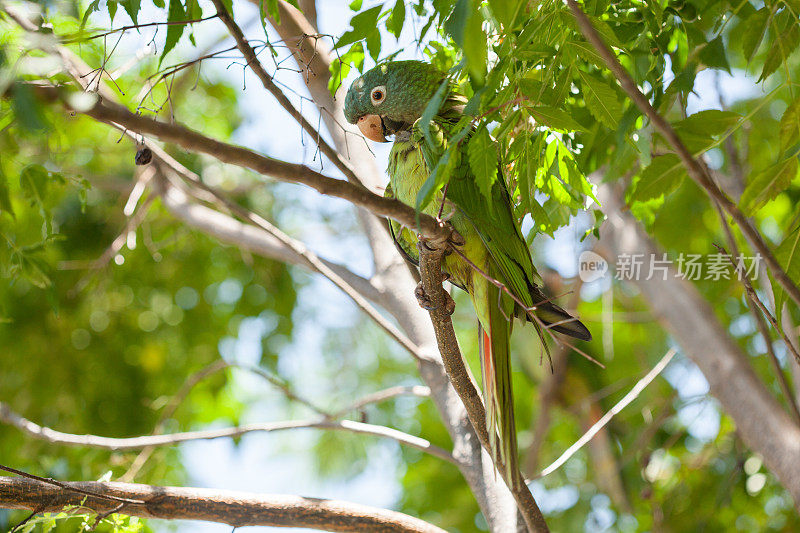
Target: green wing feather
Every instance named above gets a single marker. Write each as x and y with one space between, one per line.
403 239
494 221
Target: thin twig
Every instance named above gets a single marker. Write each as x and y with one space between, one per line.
380 396
191 382
318 265
606 418
266 80
756 308
132 443
70 39
696 169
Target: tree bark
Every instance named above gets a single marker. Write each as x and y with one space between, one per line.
237 509
763 425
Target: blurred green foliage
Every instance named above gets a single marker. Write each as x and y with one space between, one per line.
103 357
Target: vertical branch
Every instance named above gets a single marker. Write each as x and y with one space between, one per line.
430 262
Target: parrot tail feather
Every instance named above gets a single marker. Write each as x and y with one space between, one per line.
489 387
563 322
497 393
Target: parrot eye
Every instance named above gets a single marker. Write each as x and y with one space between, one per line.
378 94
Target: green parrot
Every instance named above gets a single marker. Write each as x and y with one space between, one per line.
389 100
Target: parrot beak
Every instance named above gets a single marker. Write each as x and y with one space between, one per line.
371 127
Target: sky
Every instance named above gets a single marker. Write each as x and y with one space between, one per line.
263 462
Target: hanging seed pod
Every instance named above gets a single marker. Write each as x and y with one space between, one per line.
144 155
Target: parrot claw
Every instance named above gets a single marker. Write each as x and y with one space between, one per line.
456 239
422 298
428 305
453 239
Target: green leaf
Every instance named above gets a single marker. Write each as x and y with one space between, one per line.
348 37
174 31
554 118
601 100
709 122
586 51
374 45
397 18
781 49
91 8
790 125
193 10
767 184
355 56
475 45
35 271
457 21
438 178
112 10
713 55
159 3
33 181
132 8
366 21
662 176
271 8
27 109
526 172
541 220
483 160
5 198
431 110
355 5
506 11
606 32
754 31
788 256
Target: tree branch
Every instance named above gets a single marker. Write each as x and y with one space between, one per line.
317 264
314 56
266 80
194 141
430 263
237 509
760 421
606 418
134 443
696 169
383 395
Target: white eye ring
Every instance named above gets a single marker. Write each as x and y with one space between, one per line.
378 94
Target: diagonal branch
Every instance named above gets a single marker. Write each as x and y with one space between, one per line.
134 443
267 166
696 169
203 218
430 263
760 420
383 395
194 141
606 418
237 509
266 80
317 264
